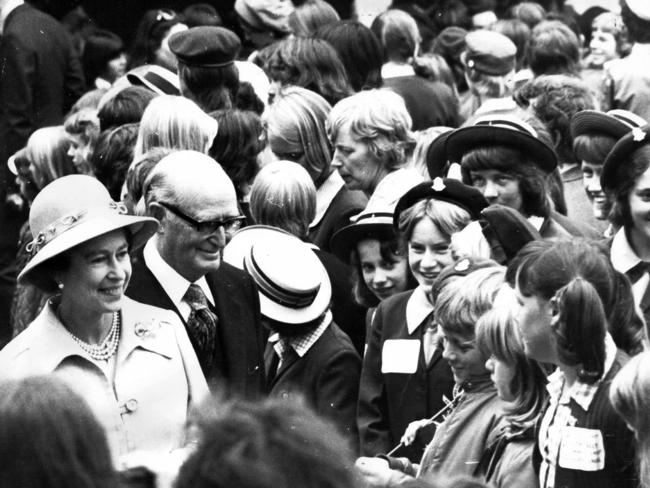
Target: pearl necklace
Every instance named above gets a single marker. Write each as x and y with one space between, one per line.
107 348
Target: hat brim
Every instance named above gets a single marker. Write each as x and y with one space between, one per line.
346 239
240 246
595 122
140 228
437 162
463 140
614 166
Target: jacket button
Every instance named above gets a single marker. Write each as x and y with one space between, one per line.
131 405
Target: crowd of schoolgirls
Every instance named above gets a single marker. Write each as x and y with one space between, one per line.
326 244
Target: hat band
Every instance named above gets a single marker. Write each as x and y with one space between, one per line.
374 215
64 224
208 65
519 126
276 293
161 83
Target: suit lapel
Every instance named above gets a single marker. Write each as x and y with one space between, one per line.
146 288
285 366
228 307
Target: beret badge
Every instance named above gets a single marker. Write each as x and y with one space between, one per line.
438 184
638 134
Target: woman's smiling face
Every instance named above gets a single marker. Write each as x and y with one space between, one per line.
429 251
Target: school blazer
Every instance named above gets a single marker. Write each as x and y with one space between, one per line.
389 401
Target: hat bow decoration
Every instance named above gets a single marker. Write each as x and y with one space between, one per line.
64 224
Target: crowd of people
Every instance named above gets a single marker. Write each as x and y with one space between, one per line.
376 245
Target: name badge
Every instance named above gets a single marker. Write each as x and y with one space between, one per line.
400 356
582 449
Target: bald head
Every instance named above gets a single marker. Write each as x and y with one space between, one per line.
188 192
188 176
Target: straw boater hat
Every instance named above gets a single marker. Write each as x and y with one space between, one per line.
70 211
293 286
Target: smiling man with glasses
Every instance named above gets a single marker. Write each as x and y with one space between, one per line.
181 269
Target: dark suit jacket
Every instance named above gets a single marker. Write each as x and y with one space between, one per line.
241 334
327 376
40 78
389 401
348 315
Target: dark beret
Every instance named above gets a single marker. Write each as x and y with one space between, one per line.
506 228
206 46
450 42
489 52
445 189
615 162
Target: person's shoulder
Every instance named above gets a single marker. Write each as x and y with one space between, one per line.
20 350
395 301
349 199
228 271
141 311
341 340
26 19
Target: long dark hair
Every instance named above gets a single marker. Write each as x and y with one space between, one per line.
579 281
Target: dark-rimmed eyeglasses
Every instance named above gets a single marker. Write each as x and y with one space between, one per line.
231 224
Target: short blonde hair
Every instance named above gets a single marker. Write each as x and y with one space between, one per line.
462 302
378 118
84 124
446 216
47 153
176 123
284 196
497 334
630 397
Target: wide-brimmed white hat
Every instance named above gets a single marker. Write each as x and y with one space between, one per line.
70 211
293 284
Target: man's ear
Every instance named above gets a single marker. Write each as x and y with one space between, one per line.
157 211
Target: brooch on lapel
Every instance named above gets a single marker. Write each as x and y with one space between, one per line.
147 328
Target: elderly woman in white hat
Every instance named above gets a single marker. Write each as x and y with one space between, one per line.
307 356
133 363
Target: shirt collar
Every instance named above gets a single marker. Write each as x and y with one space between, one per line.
418 308
9 7
395 70
392 186
303 342
55 343
325 195
173 283
582 393
640 50
536 221
622 255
